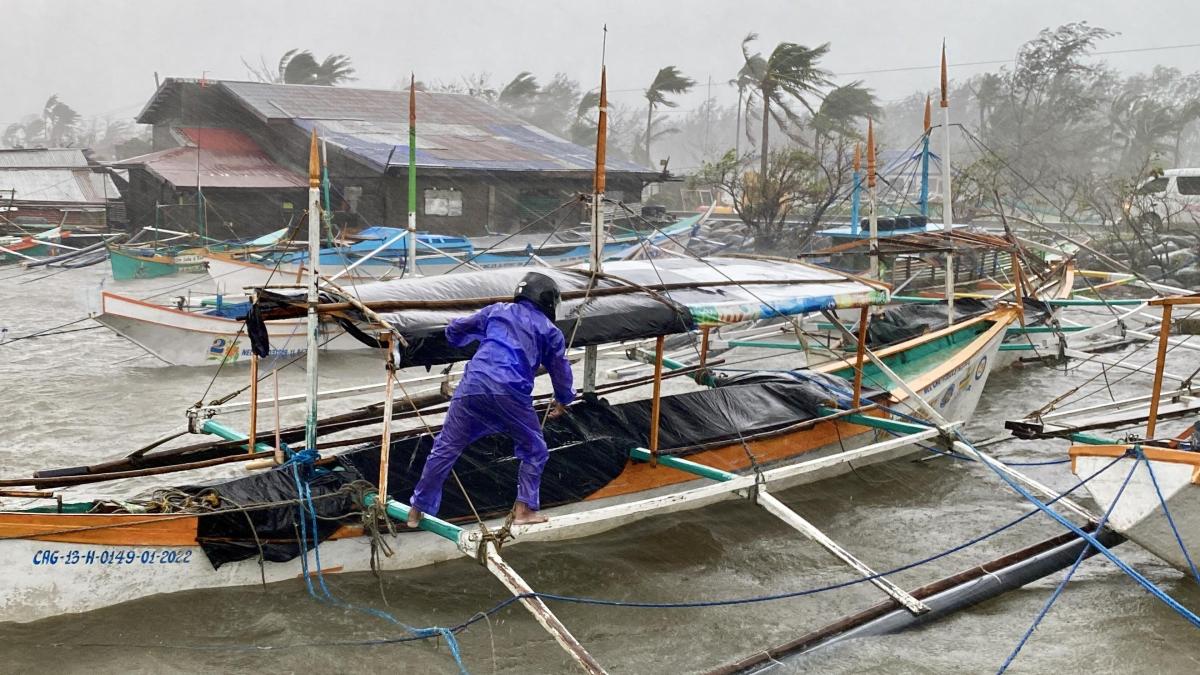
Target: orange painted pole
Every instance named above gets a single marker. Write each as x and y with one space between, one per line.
1164 331
863 317
656 399
253 403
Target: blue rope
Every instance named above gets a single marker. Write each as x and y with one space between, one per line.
1145 583
304 461
1167 512
1062 585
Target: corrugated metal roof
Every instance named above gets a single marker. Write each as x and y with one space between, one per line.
454 131
75 186
228 159
42 158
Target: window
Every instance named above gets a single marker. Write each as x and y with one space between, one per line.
1188 185
1152 186
443 203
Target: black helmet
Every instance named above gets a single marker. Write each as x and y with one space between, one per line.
541 291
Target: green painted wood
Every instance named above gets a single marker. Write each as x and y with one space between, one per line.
126 266
767 345
219 430
399 512
1088 439
683 465
1018 348
879 422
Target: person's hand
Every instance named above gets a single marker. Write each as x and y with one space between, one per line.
557 411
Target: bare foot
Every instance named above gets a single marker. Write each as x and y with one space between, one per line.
414 517
523 515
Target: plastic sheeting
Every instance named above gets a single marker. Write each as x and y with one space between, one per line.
589 448
906 321
636 315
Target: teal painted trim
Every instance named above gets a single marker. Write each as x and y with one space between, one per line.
126 266
1116 302
767 345
221 431
917 299
1019 330
879 422
1018 348
398 511
684 465
1088 439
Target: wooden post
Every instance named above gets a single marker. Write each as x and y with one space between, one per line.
656 399
1164 331
253 403
704 345
385 450
1019 286
279 458
860 350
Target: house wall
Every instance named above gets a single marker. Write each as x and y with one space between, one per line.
230 213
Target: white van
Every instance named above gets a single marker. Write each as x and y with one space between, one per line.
1172 198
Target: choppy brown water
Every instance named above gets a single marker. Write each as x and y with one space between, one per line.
89 395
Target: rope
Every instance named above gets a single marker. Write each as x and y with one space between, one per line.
1166 511
601 602
303 461
1145 583
1066 578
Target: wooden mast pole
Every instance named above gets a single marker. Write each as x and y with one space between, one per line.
872 215
253 403
596 254
385 448
1164 332
925 159
412 177
947 201
656 398
860 353
314 276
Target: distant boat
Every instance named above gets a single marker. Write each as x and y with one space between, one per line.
32 247
437 254
160 259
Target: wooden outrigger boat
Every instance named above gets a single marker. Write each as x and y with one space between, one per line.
1149 484
610 462
90 554
160 259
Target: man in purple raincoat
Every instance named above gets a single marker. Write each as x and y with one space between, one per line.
495 395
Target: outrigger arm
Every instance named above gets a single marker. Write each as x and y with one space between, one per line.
759 495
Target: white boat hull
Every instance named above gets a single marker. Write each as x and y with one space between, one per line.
184 338
1139 514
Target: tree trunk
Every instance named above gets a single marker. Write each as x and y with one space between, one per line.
766 130
649 121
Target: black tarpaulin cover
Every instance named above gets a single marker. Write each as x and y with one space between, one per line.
905 321
589 448
728 290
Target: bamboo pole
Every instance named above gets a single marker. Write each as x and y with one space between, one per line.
279 459
947 196
656 398
872 212
860 350
385 449
253 435
1160 364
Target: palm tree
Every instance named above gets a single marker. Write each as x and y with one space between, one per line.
521 91
842 107
301 67
583 129
789 74
668 81
61 122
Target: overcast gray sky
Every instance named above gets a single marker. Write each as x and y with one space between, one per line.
100 55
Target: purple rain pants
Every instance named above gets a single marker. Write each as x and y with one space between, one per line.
472 417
